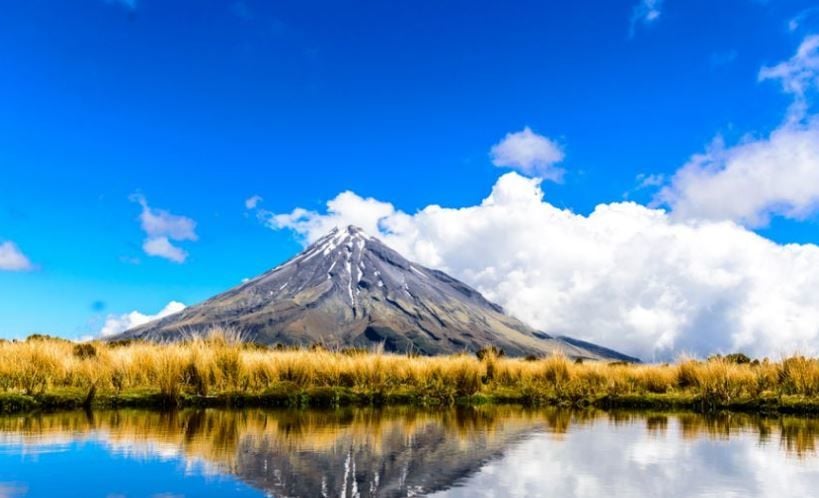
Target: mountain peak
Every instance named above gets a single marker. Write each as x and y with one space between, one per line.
348 231
338 238
350 289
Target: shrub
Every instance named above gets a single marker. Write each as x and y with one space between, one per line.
44 338
84 351
121 343
737 358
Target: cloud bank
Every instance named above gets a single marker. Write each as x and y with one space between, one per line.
12 258
161 227
116 324
626 276
647 281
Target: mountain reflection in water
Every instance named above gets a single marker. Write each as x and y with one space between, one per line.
406 452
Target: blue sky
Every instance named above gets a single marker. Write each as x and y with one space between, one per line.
195 106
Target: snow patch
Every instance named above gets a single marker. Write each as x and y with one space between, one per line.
349 268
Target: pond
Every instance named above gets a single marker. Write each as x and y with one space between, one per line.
486 451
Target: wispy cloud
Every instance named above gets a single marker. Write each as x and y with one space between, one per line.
12 258
162 227
798 75
645 12
650 180
529 153
645 181
253 201
799 19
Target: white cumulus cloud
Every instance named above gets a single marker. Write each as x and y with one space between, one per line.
751 181
347 208
12 258
529 153
116 324
625 276
161 227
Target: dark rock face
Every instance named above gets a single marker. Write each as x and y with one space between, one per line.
351 290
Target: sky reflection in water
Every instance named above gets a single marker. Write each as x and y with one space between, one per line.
491 451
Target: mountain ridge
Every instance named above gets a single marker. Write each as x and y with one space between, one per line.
348 289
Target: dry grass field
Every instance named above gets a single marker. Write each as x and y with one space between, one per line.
218 368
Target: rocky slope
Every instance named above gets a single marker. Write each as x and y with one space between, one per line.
350 290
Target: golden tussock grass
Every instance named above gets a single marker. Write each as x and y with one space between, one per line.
220 365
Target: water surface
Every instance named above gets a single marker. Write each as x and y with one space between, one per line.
486 451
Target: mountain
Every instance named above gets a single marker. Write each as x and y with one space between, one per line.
351 290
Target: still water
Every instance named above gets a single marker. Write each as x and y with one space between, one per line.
487 451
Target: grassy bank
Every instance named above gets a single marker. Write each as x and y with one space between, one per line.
49 374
